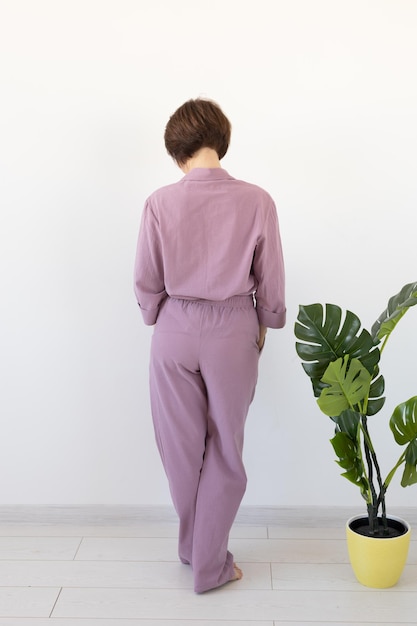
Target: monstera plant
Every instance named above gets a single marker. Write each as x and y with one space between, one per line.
343 363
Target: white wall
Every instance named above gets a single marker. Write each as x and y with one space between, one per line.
323 98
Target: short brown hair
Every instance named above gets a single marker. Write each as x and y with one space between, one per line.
197 124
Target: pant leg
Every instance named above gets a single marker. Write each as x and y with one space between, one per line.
229 365
179 410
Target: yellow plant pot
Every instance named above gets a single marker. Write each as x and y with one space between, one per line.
377 562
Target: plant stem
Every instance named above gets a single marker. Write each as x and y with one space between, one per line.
392 472
383 344
373 505
378 500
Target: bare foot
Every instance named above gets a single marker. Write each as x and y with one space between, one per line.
238 573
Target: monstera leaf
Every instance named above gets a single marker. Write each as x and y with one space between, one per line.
403 424
350 459
324 337
409 476
397 307
348 385
376 402
348 422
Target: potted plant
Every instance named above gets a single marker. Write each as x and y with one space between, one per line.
342 361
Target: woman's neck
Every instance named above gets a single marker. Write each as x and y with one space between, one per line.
205 157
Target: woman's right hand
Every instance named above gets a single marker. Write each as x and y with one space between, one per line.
261 337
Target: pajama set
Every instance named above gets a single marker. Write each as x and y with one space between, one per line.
208 270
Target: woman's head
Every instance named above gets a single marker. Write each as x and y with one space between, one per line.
197 124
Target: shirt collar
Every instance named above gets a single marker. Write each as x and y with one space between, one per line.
207 173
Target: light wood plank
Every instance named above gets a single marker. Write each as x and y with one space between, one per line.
290 550
108 574
228 603
128 549
280 532
117 622
140 622
38 548
330 577
244 550
27 602
146 529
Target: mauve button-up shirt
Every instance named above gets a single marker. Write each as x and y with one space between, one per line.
210 237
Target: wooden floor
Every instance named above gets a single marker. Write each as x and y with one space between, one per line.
118 567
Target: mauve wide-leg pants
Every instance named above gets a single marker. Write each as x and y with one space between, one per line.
203 373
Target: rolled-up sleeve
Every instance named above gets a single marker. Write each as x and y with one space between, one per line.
268 268
149 281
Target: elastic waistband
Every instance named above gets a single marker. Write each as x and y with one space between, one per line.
235 302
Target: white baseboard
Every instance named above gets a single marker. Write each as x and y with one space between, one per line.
120 515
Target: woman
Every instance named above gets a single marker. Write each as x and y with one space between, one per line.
209 274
